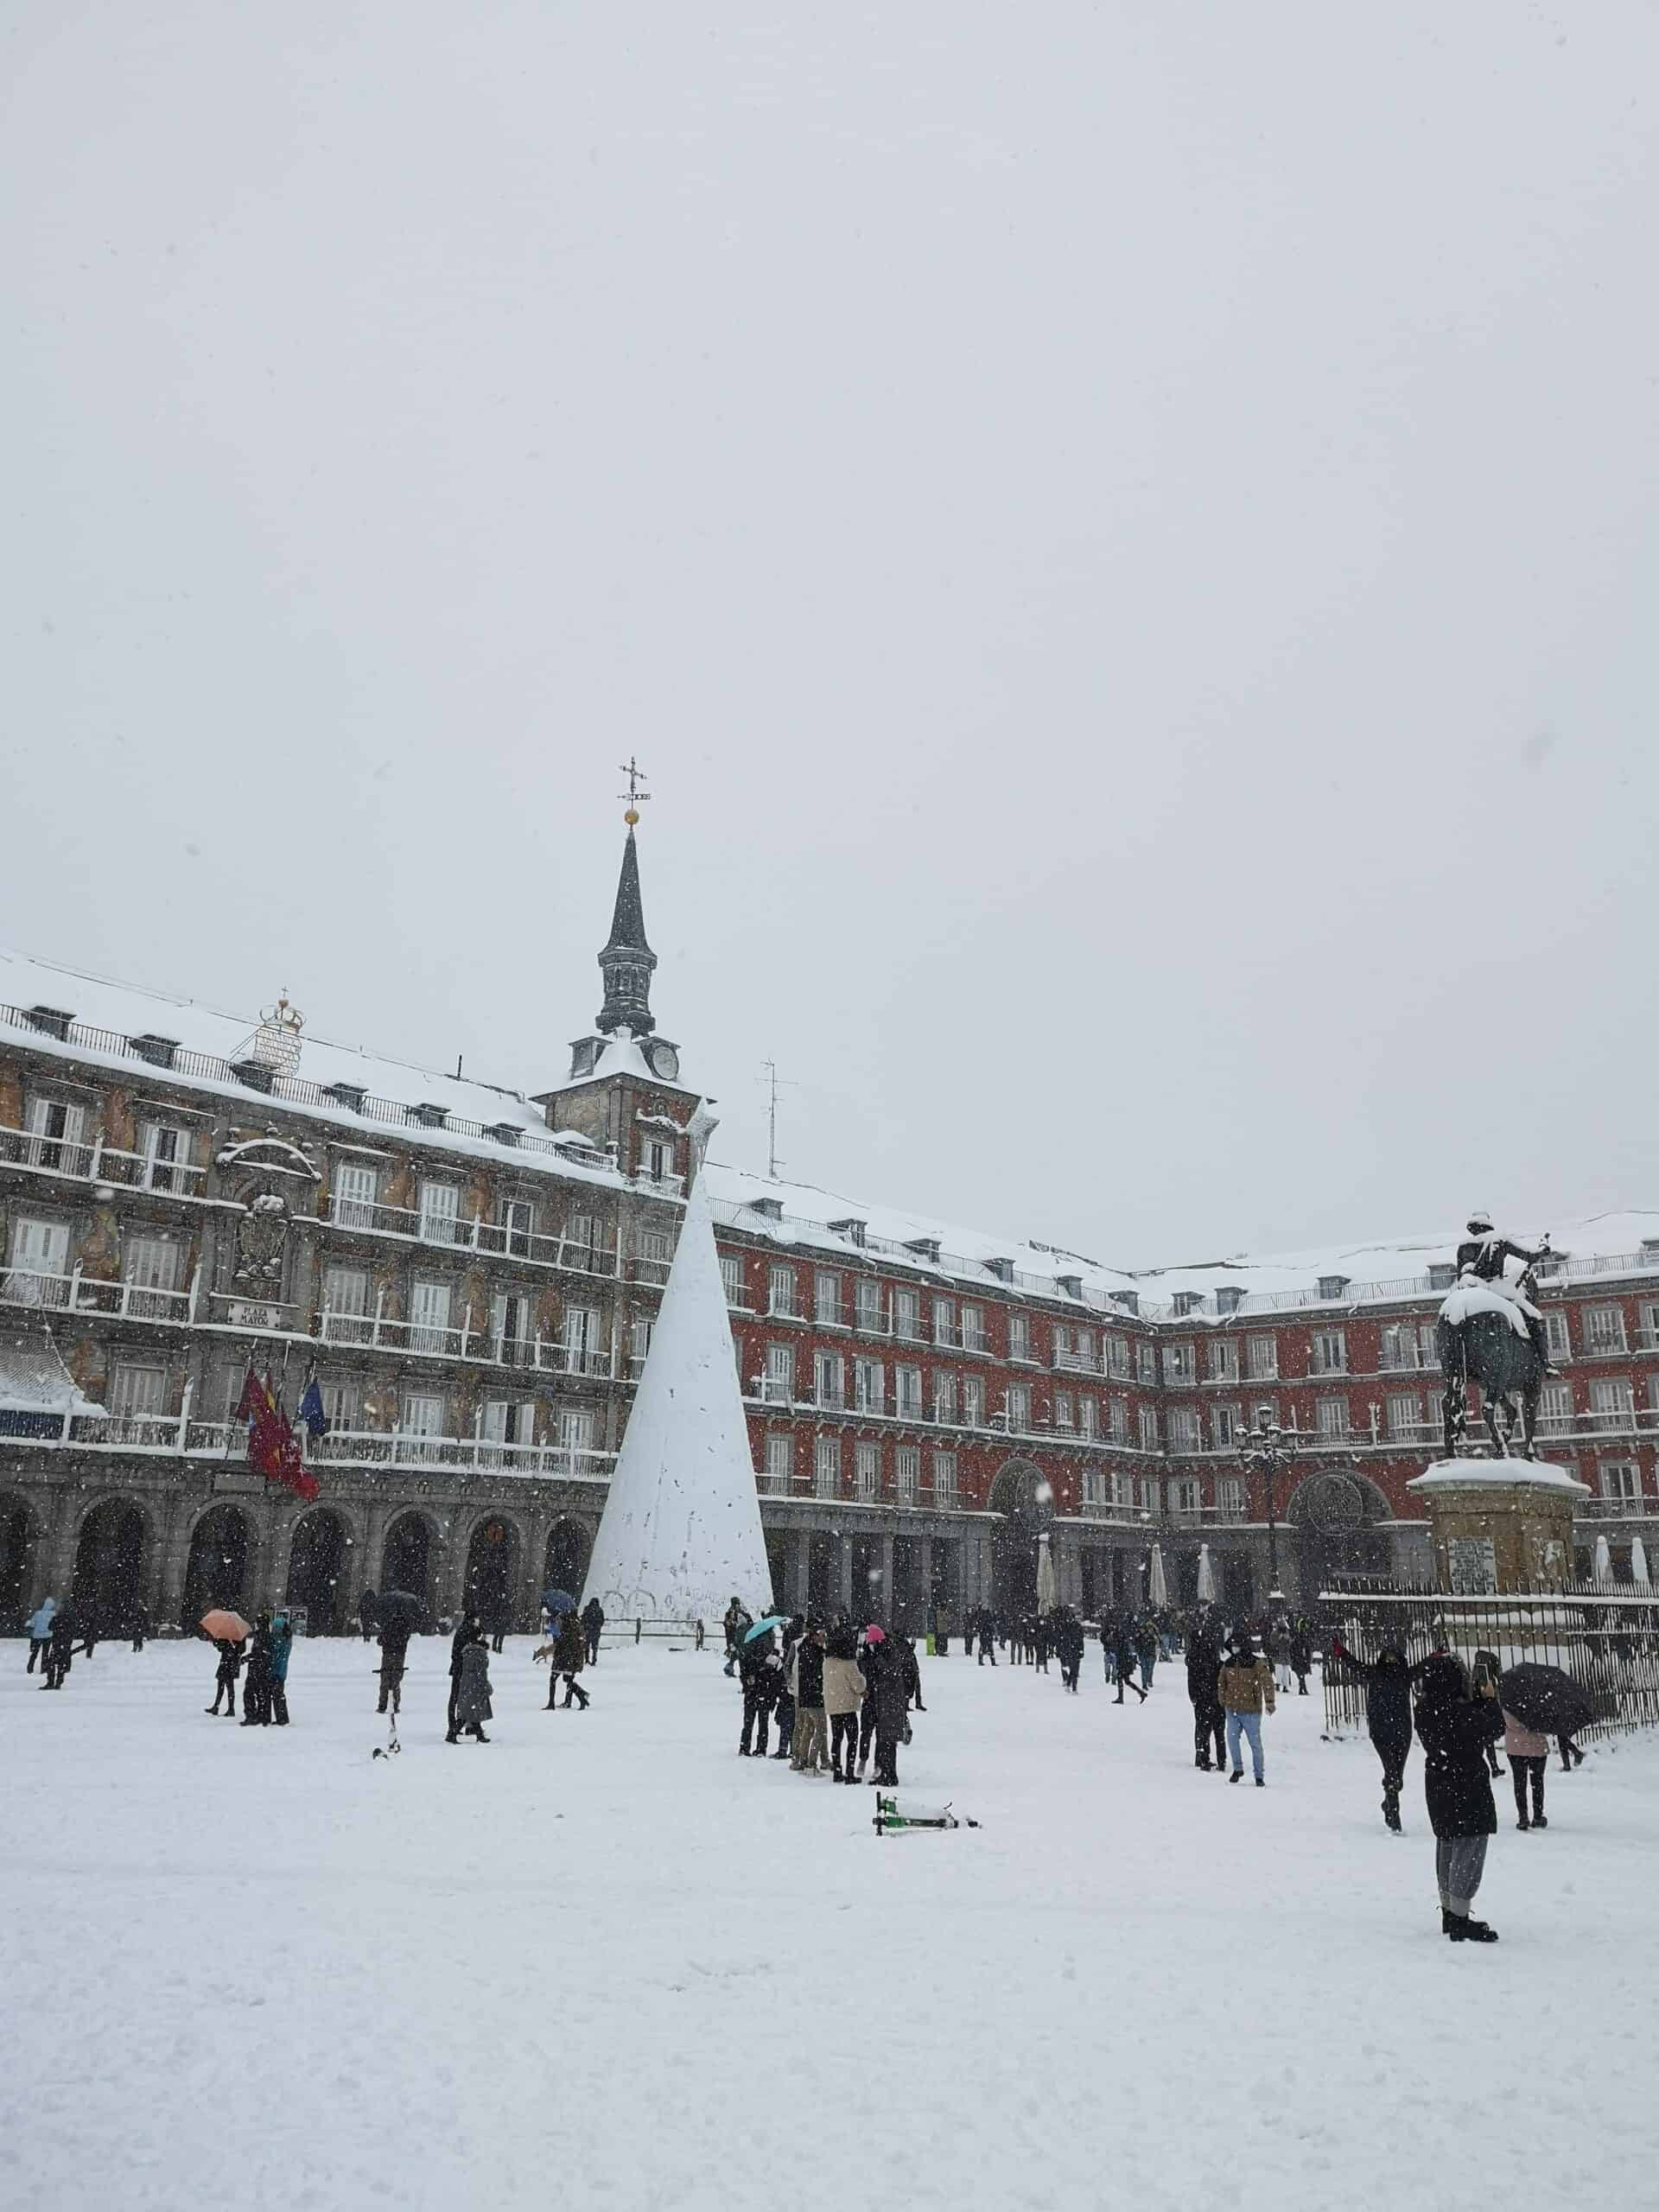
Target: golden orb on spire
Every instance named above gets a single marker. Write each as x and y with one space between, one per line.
632 817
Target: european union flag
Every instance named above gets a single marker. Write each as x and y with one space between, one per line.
311 1411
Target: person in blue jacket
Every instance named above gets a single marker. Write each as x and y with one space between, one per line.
40 1633
282 1643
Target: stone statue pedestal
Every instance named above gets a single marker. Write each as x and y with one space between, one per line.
1500 1525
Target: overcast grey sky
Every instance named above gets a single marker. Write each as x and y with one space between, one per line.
1125 536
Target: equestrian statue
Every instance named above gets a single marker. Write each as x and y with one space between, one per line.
1491 1332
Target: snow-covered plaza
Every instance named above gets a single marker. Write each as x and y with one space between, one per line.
601 1958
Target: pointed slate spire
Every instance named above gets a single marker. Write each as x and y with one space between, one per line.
681 1532
627 960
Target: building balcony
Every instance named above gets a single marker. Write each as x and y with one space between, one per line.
1619 1508
98 1164
426 1340
449 1233
91 1294
425 1454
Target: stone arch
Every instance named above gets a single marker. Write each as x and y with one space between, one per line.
319 1551
410 1556
1334 1513
219 1566
494 1569
1022 1498
113 1549
564 1560
21 1538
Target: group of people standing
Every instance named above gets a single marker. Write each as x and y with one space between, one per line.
265 1655
838 1693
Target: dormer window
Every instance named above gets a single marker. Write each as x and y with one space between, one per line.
1188 1302
160 1051
1333 1286
584 1054
1229 1298
430 1116
51 1020
1442 1276
349 1094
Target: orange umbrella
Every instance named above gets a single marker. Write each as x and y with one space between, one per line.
225 1626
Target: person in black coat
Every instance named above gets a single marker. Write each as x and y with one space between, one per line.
256 1691
1456 1727
1301 1656
367 1605
889 1672
1123 1659
1388 1714
593 1620
470 1630
229 1666
1068 1645
758 1670
1202 1688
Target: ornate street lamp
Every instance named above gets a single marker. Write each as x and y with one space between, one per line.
1268 1450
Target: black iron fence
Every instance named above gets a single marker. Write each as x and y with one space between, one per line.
1606 1638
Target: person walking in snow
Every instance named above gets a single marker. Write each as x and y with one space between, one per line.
1301 1656
1389 1683
569 1655
1203 1689
737 1622
40 1634
1456 1727
986 1636
1123 1658
1146 1647
473 1707
1068 1644
888 1704
809 1749
592 1622
1528 1755
230 1666
60 1647
394 1657
1245 1684
367 1605
844 1685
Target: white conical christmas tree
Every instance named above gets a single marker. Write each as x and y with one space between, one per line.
681 1532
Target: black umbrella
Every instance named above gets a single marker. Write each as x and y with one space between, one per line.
398 1609
1545 1699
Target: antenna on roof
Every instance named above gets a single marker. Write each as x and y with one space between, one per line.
772 1081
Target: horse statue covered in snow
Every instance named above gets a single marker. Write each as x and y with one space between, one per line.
1491 1332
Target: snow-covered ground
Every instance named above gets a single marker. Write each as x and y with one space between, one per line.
603 1958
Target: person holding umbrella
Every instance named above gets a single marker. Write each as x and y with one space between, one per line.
1456 1726
759 1670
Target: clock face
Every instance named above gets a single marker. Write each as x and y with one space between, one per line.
664 1060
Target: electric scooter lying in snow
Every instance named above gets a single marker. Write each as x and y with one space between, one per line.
892 1818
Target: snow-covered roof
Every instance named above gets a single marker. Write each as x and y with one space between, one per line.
33 1379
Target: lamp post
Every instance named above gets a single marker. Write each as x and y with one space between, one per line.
1268 1450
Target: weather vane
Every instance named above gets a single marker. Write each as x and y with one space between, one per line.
634 795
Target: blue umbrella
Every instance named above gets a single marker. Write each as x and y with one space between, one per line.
558 1601
771 1620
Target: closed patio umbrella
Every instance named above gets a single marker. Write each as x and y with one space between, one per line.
1206 1576
1048 1594
1157 1586
1603 1560
1639 1573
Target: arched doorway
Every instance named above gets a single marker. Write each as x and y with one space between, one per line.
1021 1495
216 1573
565 1567
492 1572
316 1569
1334 1515
406 1561
18 1535
109 1578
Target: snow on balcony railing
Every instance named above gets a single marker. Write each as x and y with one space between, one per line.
78 1293
468 1454
451 1232
99 1163
432 1340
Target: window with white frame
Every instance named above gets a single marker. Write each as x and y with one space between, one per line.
868 1305
1403 1412
1224 1359
1619 1479
356 1187
516 1219
829 1373
731 1277
1019 1400
166 1149
1064 1410
973 1328
1653 1393
1612 1402
945 1398
1180 1364
780 1458
1331 1415
1230 1498
826 1299
1185 1496
39 1269
1328 1352
581 1339
639 1333
780 1291
944 1321
1118 1415
342 1403
579 1247
1089 1416
654 1247
869 1386
973 1400
428 1316
575 1430
907 1315
513 1327
1146 1361
152 1265
1117 1357
345 1304
507 1420
866 1470
656 1159
826 1466
1018 1336
1082 1344
422 1413
1183 1428
1263 1354
1555 1403
1060 1336
1604 1329
780 1381
1398 1348
1555 1333
137 1389
1094 1487
1223 1426
1122 1488
56 1129
907 1473
1148 1428
944 1478
908 1391
439 1213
